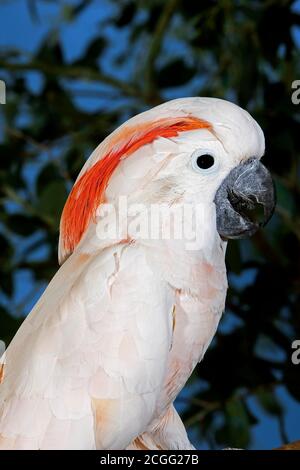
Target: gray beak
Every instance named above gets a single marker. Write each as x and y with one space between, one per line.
245 201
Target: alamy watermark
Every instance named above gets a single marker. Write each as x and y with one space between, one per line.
2 92
2 348
296 93
296 354
136 221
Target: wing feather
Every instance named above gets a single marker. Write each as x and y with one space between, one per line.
87 365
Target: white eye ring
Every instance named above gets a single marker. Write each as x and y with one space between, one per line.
204 161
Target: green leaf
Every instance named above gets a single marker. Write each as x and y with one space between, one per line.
9 326
233 257
52 200
22 224
50 50
49 173
92 52
175 73
6 249
6 283
236 430
269 402
285 198
126 15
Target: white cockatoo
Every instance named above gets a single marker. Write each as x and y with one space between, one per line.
100 359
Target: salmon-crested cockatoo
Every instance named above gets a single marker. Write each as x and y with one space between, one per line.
99 361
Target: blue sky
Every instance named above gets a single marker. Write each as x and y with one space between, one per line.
19 31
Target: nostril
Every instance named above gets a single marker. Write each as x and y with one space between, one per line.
248 207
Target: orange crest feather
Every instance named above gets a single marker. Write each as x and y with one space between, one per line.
89 191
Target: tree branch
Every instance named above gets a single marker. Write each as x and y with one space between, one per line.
28 208
156 44
72 72
291 446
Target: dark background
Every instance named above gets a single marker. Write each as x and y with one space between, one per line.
74 71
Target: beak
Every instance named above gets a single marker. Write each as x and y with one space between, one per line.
245 201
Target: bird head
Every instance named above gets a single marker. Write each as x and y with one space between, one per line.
192 150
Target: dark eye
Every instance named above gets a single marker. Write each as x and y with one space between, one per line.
205 161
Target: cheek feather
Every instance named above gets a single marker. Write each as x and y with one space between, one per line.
89 191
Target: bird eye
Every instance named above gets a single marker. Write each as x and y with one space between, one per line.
203 161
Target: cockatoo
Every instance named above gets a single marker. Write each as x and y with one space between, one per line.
100 359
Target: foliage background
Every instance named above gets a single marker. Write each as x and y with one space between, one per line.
74 71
